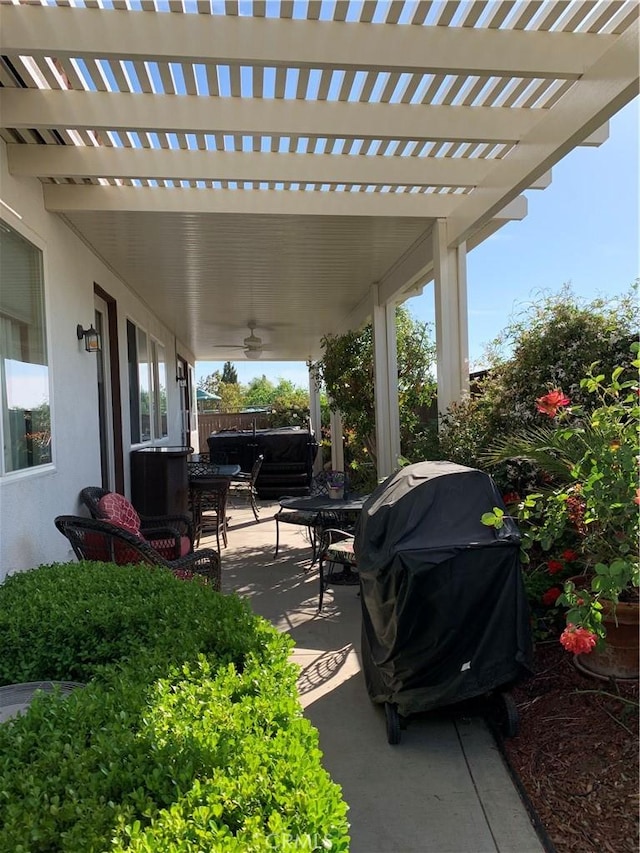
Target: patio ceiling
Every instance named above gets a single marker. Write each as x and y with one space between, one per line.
269 162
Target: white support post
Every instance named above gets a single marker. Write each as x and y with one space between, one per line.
314 414
385 368
337 443
452 337
392 380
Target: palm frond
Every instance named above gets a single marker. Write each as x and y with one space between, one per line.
542 445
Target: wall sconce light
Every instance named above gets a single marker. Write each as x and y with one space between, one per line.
91 338
182 381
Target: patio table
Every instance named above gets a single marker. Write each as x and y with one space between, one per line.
210 470
323 503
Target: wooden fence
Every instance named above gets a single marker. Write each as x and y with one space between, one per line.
209 422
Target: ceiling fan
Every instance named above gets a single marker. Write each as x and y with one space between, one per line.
252 344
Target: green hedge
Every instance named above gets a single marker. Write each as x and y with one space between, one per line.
188 736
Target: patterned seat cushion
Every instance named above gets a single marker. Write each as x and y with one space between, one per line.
341 552
167 547
296 517
118 510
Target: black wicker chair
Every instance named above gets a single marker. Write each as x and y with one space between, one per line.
164 532
93 539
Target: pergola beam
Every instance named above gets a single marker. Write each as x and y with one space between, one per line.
85 162
603 90
111 34
63 198
415 267
117 111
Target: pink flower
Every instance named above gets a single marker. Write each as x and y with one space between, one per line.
636 500
580 641
569 555
551 595
551 402
555 566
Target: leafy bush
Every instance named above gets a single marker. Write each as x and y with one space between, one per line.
463 430
551 345
591 505
347 371
189 737
67 620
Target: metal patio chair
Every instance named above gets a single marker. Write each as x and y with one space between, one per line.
245 484
208 498
335 547
310 520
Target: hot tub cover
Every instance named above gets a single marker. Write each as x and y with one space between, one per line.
444 610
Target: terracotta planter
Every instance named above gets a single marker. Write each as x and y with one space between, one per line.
619 657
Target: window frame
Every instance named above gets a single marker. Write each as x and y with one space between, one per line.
153 344
15 223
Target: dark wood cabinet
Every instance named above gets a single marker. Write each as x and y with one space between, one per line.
159 480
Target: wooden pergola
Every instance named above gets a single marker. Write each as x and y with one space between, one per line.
305 166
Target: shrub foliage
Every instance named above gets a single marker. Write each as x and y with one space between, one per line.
189 734
347 370
550 345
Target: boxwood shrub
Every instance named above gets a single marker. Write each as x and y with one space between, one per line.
188 736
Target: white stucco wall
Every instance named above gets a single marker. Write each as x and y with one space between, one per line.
30 500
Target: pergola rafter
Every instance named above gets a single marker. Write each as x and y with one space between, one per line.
295 164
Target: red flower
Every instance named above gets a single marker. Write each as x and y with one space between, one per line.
575 511
551 596
551 402
580 641
555 566
511 498
184 574
569 555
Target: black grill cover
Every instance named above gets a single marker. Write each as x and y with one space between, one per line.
444 610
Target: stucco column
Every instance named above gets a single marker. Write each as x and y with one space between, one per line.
314 414
337 443
385 368
452 335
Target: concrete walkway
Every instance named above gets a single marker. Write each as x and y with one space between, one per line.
444 788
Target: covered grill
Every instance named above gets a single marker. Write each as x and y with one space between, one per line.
444 610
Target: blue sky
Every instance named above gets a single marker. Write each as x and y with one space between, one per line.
582 229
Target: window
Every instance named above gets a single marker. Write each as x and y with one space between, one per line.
24 370
159 377
147 386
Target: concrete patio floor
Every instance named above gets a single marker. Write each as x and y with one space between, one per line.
444 788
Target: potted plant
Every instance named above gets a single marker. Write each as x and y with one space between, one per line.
592 501
335 484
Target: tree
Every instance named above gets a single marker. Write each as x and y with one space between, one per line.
232 396
290 404
211 383
348 373
552 345
229 374
260 392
